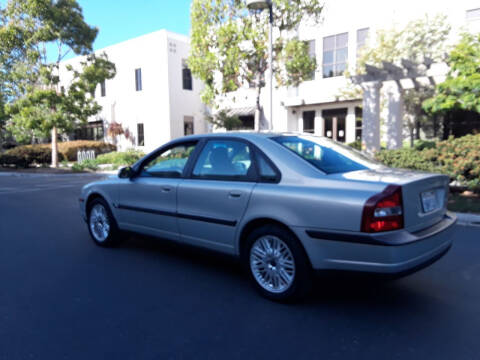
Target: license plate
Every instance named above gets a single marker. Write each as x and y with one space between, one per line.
429 201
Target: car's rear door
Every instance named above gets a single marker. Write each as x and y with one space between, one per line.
213 200
147 203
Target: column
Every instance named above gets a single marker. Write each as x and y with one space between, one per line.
394 124
319 123
350 125
371 116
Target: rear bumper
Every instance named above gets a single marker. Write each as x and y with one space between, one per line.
395 252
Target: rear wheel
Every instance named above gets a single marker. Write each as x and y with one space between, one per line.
277 264
101 224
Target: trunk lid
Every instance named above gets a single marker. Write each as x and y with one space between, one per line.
424 195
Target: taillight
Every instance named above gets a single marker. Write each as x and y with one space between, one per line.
384 211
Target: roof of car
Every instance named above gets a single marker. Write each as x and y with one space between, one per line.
240 134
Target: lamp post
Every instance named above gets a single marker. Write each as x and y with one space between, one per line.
262 5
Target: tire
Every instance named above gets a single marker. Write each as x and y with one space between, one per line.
277 264
102 225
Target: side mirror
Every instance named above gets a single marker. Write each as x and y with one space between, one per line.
126 173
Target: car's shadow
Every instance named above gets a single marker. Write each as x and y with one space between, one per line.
331 289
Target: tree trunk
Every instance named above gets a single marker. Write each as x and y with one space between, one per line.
417 129
258 108
54 148
446 126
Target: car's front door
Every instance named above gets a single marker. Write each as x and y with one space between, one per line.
213 200
147 203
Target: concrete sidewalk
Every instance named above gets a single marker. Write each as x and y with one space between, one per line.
468 219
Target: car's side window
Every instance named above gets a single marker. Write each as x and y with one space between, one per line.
266 171
225 160
170 163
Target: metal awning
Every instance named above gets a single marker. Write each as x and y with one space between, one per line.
243 111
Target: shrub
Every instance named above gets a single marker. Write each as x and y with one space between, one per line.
357 144
69 149
126 158
458 158
24 156
425 144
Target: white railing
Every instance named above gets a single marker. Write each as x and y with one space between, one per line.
85 155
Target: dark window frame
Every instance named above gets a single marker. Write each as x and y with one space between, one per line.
142 141
335 49
103 90
138 79
187 79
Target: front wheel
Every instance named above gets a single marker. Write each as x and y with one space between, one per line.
277 264
101 224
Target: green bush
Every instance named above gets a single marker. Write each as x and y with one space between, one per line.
357 144
458 158
84 165
24 156
425 144
69 149
126 158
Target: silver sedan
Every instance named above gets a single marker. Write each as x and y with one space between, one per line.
285 204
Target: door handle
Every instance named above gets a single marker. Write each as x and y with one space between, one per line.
235 194
166 188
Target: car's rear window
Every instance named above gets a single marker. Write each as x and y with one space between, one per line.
326 155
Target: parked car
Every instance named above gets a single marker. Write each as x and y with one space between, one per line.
285 204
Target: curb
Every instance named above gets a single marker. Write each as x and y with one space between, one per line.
34 175
468 219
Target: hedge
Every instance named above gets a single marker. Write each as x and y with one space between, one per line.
126 158
458 158
24 156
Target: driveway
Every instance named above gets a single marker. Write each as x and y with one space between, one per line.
61 297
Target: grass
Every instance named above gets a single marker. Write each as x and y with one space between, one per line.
466 202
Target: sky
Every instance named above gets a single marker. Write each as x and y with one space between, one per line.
119 20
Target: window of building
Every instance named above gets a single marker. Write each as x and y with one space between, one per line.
138 79
362 38
140 135
335 123
91 131
103 91
335 55
473 14
188 125
309 122
358 123
248 122
186 77
313 55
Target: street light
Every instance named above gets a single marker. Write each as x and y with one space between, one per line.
262 5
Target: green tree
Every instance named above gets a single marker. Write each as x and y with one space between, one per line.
421 38
461 88
231 41
35 100
224 121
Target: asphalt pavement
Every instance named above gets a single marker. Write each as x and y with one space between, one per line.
62 297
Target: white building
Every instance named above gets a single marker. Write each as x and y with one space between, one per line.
153 95
315 106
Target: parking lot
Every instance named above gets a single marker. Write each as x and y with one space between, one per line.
62 297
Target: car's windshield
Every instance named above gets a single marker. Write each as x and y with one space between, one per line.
326 155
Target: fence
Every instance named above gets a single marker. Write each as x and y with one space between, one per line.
85 155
